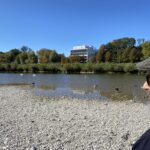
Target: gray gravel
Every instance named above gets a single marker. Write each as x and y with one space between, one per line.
30 122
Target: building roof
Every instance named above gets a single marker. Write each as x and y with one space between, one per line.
144 65
80 47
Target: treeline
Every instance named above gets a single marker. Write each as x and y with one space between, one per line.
117 56
125 50
26 55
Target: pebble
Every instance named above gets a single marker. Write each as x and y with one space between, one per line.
39 122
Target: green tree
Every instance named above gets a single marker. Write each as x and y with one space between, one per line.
123 43
146 49
23 57
116 47
135 54
107 56
25 49
62 59
54 57
12 54
2 57
44 55
48 56
32 57
93 59
26 56
100 54
125 55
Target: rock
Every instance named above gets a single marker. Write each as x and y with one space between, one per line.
33 148
68 123
85 117
6 140
125 136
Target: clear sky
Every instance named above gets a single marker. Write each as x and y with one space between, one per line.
61 24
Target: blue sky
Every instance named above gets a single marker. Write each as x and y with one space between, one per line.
61 24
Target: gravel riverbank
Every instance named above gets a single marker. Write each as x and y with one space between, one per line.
32 122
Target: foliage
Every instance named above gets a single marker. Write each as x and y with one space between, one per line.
48 56
146 49
120 51
88 67
107 56
100 54
98 67
116 56
72 68
129 67
77 59
69 67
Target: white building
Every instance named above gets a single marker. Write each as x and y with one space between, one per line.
85 51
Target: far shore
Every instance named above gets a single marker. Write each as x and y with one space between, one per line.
70 68
29 121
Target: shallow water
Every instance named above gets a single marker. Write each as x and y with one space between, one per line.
93 86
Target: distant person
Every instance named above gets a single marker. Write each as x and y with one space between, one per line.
144 142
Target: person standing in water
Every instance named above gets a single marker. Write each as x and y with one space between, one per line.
144 141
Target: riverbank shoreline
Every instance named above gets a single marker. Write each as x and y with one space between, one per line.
70 68
29 121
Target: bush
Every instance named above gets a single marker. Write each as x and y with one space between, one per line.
33 68
99 67
53 68
88 67
118 68
20 68
72 68
13 67
2 68
129 67
108 67
6 67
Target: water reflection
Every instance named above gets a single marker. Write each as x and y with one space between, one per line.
71 93
111 86
118 96
46 87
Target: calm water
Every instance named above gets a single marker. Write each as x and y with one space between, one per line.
113 86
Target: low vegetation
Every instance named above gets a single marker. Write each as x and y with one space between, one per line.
69 68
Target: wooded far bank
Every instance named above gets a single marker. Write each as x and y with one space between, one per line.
124 50
119 55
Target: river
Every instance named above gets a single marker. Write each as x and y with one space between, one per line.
90 86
